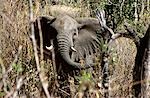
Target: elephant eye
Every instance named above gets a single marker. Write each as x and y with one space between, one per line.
79 28
74 31
75 34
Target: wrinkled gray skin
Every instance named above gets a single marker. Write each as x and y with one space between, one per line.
78 33
66 28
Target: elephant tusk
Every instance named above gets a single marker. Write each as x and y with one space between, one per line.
73 49
50 47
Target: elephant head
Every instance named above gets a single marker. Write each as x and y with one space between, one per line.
76 38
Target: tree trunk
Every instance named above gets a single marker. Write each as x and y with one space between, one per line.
141 72
146 66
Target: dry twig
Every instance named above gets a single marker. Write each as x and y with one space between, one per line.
5 73
19 84
41 74
5 76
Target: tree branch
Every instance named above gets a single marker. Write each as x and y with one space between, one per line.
132 34
101 17
41 74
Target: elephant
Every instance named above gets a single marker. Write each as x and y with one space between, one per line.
74 38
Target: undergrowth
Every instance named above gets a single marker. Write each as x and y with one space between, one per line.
19 63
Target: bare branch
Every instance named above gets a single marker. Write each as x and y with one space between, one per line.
121 6
148 8
54 64
5 73
42 78
132 34
142 8
18 86
53 59
64 91
101 17
135 13
33 36
41 39
104 63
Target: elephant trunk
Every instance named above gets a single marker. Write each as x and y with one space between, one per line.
64 48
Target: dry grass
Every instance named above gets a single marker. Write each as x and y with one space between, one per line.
14 32
123 56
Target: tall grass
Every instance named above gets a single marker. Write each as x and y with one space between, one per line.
14 32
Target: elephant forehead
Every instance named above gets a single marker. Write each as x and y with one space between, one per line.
65 23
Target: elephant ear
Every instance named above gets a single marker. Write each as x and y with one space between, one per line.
89 22
43 24
88 40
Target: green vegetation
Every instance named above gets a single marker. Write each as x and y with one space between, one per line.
15 32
